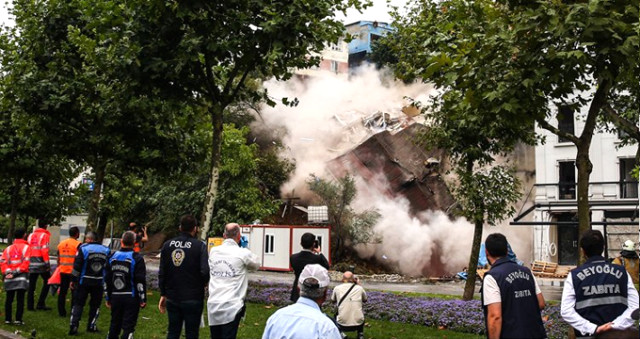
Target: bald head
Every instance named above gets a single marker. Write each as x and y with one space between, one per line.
348 277
232 231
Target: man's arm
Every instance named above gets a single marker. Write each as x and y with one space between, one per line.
252 261
323 261
539 296
494 320
624 320
140 278
78 262
568 312
161 272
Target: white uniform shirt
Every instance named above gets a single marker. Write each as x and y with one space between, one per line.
569 314
228 266
491 290
350 311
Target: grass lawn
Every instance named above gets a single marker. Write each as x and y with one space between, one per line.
152 324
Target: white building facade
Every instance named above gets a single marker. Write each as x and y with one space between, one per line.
613 192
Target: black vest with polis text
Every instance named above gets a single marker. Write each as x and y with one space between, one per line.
520 311
601 290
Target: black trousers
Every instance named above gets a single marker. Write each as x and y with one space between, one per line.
83 292
187 311
19 307
33 280
229 330
358 328
124 316
65 280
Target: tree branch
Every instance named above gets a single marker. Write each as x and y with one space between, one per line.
621 122
544 124
211 84
599 100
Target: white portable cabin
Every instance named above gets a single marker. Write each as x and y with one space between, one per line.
274 244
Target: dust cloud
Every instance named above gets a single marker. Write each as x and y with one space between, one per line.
327 123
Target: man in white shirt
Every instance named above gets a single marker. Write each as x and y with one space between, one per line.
598 297
304 319
349 297
228 264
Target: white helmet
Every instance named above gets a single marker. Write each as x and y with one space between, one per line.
628 246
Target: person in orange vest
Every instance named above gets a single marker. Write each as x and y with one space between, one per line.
141 236
39 265
15 268
67 251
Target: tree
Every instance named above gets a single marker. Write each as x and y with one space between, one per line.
208 50
84 91
348 228
517 60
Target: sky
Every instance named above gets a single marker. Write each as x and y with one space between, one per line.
377 12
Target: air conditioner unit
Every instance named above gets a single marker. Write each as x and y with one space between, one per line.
318 215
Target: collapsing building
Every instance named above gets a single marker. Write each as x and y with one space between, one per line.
401 168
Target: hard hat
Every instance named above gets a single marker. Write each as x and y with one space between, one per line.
628 246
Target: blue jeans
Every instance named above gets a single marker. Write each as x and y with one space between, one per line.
187 311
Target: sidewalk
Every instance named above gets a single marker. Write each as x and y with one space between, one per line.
9 335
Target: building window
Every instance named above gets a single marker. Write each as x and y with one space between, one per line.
567 180
268 243
628 184
334 66
565 121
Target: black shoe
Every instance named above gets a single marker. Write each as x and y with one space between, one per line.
43 308
93 329
18 322
7 322
73 330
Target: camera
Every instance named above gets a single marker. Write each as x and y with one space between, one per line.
316 244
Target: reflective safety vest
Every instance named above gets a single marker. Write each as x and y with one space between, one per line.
67 251
39 243
15 260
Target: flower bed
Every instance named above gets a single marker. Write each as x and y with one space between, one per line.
455 315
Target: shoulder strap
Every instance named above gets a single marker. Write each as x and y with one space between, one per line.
346 294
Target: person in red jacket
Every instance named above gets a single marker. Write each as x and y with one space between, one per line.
39 265
15 268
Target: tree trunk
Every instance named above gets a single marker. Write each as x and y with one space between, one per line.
102 224
470 284
14 212
212 190
94 205
584 172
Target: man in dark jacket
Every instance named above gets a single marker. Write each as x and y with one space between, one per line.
126 288
311 254
511 298
184 274
87 279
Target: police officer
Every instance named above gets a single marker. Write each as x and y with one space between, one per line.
67 251
511 297
126 288
184 274
598 297
87 278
